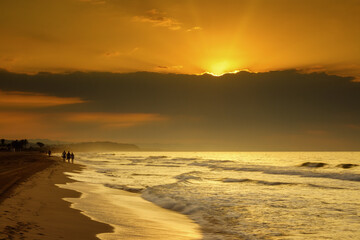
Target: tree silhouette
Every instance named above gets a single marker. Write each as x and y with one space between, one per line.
2 142
16 145
23 143
40 144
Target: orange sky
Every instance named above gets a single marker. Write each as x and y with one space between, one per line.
29 99
182 36
86 46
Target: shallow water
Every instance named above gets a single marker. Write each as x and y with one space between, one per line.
285 195
131 216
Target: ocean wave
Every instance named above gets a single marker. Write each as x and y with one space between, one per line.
124 188
313 164
229 180
136 160
216 220
94 162
211 161
185 159
162 165
157 157
179 205
262 182
146 174
105 170
108 172
237 199
283 171
347 165
132 157
338 176
323 187
106 154
189 175
172 163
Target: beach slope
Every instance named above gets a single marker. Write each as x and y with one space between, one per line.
34 209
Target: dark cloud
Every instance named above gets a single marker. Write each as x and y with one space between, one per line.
277 110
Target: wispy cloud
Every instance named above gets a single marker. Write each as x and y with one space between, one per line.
344 70
30 99
159 19
194 29
65 125
115 120
115 53
112 54
175 68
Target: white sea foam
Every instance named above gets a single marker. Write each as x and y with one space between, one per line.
124 187
243 195
283 171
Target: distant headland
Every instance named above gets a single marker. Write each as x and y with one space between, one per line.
44 145
95 147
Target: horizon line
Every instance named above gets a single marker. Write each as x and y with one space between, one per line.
205 73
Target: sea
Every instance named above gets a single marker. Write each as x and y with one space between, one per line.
236 195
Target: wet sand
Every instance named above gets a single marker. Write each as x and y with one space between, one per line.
131 216
39 202
34 209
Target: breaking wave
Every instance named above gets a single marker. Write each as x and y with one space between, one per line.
124 188
269 183
283 171
313 164
347 165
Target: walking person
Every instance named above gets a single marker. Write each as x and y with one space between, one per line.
72 157
63 155
68 155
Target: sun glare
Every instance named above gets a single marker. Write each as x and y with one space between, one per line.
220 68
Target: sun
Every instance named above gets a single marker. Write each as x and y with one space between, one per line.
220 68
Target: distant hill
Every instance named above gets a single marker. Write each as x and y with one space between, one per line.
47 141
95 147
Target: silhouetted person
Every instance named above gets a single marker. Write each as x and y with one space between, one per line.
64 155
49 153
72 157
68 155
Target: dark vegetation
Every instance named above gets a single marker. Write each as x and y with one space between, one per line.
19 145
25 145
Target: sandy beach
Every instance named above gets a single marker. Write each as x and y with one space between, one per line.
17 167
32 206
40 201
131 216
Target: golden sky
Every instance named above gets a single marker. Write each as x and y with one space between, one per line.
180 36
81 70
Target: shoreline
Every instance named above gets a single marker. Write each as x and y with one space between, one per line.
131 216
47 203
35 208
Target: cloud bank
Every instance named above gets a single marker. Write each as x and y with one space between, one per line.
279 110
